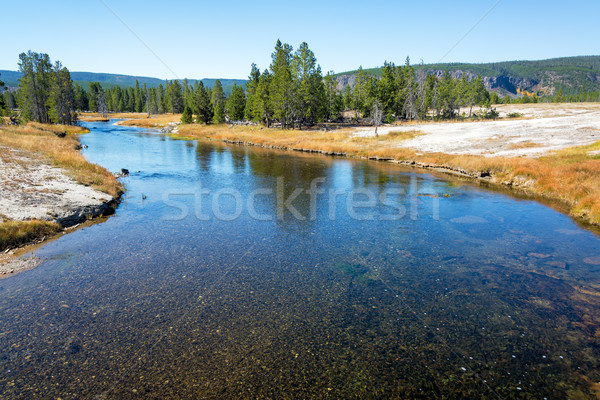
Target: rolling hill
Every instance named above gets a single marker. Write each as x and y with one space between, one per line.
570 74
544 77
11 79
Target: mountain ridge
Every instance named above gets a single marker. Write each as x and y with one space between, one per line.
108 80
543 77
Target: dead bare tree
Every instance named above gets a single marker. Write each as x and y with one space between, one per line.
102 108
377 114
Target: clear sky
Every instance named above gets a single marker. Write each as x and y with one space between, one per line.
220 39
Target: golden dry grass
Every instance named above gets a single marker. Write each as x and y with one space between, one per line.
401 135
570 176
92 116
40 139
66 129
17 233
524 145
93 119
154 121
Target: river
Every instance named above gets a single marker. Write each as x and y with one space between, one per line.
236 272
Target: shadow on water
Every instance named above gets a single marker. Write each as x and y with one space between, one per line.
448 291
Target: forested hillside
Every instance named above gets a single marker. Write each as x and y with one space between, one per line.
542 77
108 81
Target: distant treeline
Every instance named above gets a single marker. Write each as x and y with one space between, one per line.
292 93
558 97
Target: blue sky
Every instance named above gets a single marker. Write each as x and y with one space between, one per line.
220 39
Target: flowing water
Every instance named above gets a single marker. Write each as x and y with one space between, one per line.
235 272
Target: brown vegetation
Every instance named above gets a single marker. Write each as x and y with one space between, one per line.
61 151
17 233
92 116
154 121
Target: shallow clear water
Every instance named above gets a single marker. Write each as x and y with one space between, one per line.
437 289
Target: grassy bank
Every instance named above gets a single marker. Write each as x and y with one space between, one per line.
61 152
57 145
141 119
18 233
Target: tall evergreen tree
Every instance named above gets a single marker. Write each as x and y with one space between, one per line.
204 112
281 90
62 97
332 96
34 86
263 110
387 88
219 115
81 99
3 109
160 99
311 91
251 87
175 97
138 98
93 96
236 103
217 96
186 117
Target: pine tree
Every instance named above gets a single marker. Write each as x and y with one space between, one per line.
175 97
11 101
186 117
347 98
219 115
410 109
93 96
281 90
130 99
358 95
217 96
204 112
251 87
81 99
310 94
138 98
160 99
62 97
331 95
386 88
264 104
478 94
364 94
236 103
3 109
34 86
447 96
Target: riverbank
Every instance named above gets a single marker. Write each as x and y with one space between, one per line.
47 186
567 172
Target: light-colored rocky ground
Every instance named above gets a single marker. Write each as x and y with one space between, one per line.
10 265
32 189
544 128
